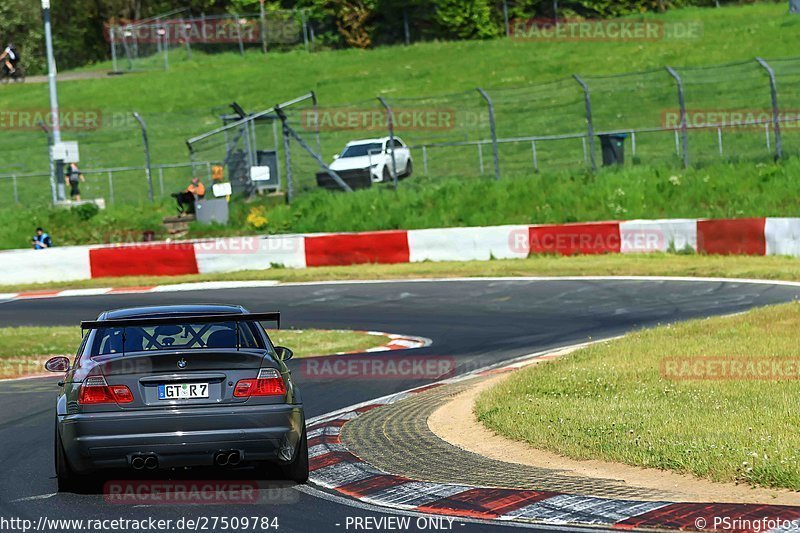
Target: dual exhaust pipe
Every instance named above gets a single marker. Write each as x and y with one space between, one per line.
150 461
231 458
144 462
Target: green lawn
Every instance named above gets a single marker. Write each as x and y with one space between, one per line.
768 268
23 350
189 98
621 401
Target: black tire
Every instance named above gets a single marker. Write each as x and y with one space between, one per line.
387 175
68 481
409 169
297 470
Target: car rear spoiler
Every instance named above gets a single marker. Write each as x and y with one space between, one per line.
182 319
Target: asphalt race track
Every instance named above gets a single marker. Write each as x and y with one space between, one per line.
477 322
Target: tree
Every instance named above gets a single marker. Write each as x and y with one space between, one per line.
466 19
354 20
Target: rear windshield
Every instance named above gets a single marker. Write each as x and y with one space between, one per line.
171 337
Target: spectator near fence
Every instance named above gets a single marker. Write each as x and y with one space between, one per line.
186 199
41 240
73 179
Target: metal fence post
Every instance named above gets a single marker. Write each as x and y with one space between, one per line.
682 104
113 39
287 152
587 99
776 122
305 28
166 47
390 124
535 157
505 18
425 159
16 193
316 122
263 17
480 157
766 134
161 180
239 34
146 155
110 187
186 39
493 131
406 29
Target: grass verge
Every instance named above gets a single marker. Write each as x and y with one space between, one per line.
720 190
621 401
769 268
24 350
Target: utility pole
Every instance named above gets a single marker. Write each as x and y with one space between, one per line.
55 177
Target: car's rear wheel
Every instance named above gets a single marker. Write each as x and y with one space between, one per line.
68 481
297 470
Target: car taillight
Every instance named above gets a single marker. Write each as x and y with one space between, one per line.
269 383
95 390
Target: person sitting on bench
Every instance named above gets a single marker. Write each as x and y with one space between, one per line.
187 197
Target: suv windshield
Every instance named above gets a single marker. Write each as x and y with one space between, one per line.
360 150
174 337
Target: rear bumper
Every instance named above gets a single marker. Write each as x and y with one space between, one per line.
184 437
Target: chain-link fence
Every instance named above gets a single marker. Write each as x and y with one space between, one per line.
667 117
120 185
153 44
686 116
662 117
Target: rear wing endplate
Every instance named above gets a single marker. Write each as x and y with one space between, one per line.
182 319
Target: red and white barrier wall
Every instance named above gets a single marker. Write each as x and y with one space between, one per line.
753 236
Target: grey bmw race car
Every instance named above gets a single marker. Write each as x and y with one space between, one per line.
177 386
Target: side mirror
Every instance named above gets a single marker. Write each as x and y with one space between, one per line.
57 364
335 157
284 353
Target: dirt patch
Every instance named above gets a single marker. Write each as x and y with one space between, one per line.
455 422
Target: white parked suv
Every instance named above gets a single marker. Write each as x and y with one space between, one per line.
375 155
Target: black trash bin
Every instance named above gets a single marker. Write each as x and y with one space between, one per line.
613 145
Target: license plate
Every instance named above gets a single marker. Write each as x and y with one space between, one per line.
183 391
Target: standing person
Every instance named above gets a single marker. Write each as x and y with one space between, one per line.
73 179
41 240
187 197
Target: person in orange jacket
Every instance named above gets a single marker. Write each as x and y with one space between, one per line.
188 196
